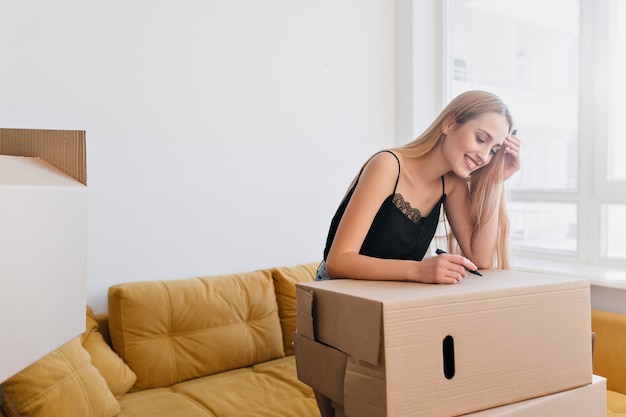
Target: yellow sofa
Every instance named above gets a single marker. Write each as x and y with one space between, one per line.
609 358
210 347
207 347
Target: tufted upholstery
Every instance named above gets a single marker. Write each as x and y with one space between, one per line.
209 347
194 327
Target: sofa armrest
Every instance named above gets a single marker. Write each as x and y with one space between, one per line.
610 348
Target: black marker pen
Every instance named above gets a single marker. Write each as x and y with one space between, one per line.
475 272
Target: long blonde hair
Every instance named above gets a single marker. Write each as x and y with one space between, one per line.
486 184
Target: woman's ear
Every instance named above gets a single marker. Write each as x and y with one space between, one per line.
447 124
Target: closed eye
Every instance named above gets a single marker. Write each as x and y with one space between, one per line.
481 141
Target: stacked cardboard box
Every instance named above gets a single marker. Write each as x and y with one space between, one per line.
399 349
43 243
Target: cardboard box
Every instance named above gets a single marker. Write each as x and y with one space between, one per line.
443 350
586 401
43 243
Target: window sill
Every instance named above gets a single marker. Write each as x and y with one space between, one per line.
601 276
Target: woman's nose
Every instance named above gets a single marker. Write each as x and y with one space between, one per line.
483 155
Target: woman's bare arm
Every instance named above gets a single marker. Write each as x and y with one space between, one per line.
344 261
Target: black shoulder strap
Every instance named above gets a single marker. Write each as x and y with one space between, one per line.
367 162
398 177
443 186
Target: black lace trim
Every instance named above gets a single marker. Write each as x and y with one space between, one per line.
405 207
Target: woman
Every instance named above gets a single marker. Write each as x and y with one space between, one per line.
387 220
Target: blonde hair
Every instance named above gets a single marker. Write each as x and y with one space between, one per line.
486 186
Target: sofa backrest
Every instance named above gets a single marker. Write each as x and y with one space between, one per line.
175 330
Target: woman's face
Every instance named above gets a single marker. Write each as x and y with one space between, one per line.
473 144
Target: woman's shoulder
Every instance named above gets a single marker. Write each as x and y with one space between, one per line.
386 157
380 172
383 161
454 182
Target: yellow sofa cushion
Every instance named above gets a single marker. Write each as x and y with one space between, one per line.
63 383
610 348
194 327
285 280
118 376
615 403
268 389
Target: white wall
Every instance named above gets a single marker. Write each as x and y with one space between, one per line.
608 298
419 66
220 134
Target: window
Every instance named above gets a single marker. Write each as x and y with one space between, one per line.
616 169
460 69
616 238
561 68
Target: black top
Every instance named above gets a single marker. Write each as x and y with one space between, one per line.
398 231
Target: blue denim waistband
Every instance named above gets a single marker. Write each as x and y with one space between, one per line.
321 274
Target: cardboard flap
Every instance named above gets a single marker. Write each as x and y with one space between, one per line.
63 149
320 367
350 324
361 325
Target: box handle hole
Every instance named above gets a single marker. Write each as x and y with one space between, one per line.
448 357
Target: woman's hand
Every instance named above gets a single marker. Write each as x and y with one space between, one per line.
511 156
444 269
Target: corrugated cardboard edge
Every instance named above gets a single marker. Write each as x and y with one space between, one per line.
304 316
593 347
63 149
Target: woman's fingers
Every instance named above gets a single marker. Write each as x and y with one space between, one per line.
451 268
512 147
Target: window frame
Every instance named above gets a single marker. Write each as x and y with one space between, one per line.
594 190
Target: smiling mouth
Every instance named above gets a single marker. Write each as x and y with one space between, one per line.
470 163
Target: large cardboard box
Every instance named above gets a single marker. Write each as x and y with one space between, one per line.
405 349
43 243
